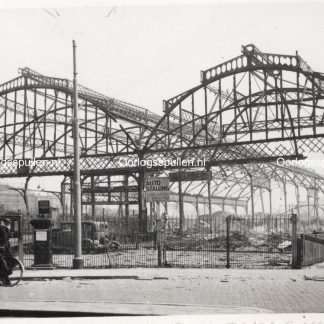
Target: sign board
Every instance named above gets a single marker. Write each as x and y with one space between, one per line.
41 236
190 176
157 189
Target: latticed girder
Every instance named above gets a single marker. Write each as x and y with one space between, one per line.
256 98
117 108
253 108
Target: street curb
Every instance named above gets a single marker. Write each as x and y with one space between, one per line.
98 308
75 277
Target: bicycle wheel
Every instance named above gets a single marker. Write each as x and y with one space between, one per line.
113 246
17 271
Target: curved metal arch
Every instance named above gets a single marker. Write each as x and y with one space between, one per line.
213 115
39 118
174 103
59 89
61 136
229 125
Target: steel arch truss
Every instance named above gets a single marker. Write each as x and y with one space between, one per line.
255 107
251 109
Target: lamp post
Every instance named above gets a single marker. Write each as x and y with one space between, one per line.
78 260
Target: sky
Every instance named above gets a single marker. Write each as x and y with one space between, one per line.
144 54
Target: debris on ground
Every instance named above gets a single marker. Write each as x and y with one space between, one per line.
284 245
314 278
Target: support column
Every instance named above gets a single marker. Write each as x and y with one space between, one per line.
158 233
210 208
308 211
286 219
141 204
63 200
285 198
232 218
25 196
197 207
66 211
317 211
93 198
166 208
126 201
294 240
181 212
262 202
151 216
71 200
252 200
316 215
298 205
270 210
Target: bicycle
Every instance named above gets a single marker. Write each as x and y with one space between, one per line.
12 267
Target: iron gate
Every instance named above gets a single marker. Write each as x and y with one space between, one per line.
228 242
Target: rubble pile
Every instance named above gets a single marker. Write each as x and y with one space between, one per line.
193 240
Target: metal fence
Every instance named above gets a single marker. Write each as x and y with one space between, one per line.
232 242
235 242
104 245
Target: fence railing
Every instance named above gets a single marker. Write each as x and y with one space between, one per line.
200 242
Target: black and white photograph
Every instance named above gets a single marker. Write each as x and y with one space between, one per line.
162 162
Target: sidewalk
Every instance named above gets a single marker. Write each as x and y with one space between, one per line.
168 291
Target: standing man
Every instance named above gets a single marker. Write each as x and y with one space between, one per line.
5 234
5 272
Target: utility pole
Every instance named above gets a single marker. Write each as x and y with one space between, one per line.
78 260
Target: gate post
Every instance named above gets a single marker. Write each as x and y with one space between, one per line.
158 233
299 262
294 240
228 265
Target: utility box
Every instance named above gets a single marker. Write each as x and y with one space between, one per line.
42 243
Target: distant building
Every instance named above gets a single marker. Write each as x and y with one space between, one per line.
11 200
